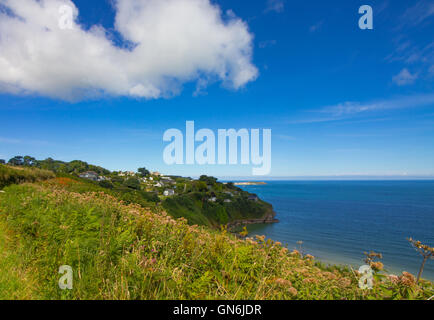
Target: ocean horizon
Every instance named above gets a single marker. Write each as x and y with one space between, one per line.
340 220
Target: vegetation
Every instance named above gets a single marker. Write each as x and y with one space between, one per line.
14 175
203 202
73 167
425 251
119 240
124 251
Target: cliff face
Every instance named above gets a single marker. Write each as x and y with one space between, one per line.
269 217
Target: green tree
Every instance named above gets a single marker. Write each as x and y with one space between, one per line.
16 161
29 161
221 215
132 183
208 180
144 172
200 186
2 161
106 184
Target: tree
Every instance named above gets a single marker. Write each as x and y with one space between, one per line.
144 172
200 186
16 161
106 184
29 161
426 252
2 161
208 180
132 183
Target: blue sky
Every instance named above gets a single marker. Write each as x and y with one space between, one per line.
339 100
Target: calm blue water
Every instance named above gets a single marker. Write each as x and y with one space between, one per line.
339 220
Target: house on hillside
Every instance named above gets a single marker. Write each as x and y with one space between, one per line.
90 175
253 198
169 192
213 199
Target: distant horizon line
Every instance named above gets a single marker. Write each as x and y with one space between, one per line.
332 178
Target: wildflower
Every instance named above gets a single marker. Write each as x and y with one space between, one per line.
283 282
310 280
260 238
310 257
293 291
329 275
377 266
345 282
295 252
425 251
393 278
407 279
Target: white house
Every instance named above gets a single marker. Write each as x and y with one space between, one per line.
169 192
90 175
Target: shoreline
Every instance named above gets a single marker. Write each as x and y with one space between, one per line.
333 259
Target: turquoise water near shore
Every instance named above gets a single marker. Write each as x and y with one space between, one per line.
339 220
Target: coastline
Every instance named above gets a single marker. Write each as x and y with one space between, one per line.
308 213
250 183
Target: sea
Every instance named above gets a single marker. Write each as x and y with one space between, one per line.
337 221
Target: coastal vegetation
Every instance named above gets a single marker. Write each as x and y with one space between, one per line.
204 201
16 175
425 251
123 245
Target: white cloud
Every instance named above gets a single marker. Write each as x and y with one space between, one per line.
347 110
275 5
174 41
421 11
404 78
351 108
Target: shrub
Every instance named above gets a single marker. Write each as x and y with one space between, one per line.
16 175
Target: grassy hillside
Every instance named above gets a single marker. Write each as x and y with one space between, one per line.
204 201
125 251
15 175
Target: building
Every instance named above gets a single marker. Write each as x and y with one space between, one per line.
169 192
227 201
90 175
213 199
126 174
253 198
158 185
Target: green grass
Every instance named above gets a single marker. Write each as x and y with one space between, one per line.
15 175
16 280
124 251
